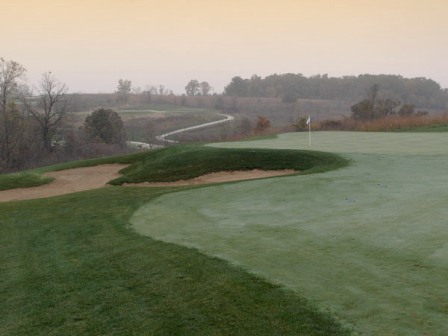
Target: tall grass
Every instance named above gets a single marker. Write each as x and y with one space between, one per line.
391 123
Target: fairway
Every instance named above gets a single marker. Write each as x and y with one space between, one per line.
368 242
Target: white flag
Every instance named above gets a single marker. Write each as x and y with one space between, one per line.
308 120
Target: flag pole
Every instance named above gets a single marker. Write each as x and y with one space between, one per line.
308 121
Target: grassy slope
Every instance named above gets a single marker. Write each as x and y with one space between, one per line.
71 266
185 162
22 180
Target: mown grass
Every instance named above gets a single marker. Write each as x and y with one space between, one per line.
186 162
72 266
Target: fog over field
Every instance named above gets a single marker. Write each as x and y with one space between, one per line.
89 45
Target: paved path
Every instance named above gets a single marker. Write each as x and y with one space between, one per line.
163 137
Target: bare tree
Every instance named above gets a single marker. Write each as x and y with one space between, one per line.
137 90
263 124
10 74
50 107
123 90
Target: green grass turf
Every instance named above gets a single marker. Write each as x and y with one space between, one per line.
368 241
72 266
433 128
22 180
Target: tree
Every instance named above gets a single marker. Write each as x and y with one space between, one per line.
245 126
11 136
289 97
373 107
417 91
263 124
123 90
406 110
106 126
205 88
372 97
162 90
385 108
220 103
10 75
362 110
238 87
301 124
50 107
137 90
192 88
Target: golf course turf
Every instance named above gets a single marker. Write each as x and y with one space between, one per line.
72 265
369 241
365 245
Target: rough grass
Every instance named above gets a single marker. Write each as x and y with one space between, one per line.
71 266
186 162
437 123
22 180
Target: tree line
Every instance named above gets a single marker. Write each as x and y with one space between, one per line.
421 92
33 127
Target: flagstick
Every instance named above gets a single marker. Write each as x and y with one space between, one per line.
309 131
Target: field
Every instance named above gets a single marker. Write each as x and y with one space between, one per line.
145 123
368 242
364 245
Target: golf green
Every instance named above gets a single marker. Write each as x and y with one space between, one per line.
368 242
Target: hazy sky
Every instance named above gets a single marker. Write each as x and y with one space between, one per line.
90 44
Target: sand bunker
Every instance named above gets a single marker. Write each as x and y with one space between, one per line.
87 178
66 182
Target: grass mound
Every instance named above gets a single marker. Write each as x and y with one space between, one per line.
186 162
22 180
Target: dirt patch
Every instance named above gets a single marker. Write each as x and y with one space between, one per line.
218 178
87 178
